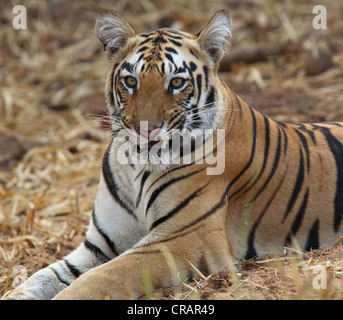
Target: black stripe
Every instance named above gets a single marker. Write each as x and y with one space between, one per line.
171 50
121 100
266 145
148 39
192 66
196 119
111 93
143 67
238 101
193 54
157 67
251 251
182 166
138 60
144 252
110 182
305 145
171 35
182 69
142 49
189 97
170 58
183 204
76 272
274 167
170 238
139 174
144 178
285 146
186 67
313 237
128 66
252 155
178 115
309 132
169 172
58 276
177 43
199 84
165 185
337 124
266 153
159 38
205 68
206 215
103 233
298 185
97 252
298 219
210 97
170 32
337 151
147 34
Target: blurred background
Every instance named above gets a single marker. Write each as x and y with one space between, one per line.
52 78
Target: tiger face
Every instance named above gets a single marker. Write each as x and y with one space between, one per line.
162 83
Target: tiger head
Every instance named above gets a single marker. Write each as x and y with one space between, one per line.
164 79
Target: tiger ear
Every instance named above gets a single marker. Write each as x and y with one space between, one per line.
216 36
113 31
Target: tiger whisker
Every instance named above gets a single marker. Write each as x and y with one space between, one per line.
203 106
205 111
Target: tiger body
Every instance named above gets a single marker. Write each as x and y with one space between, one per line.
281 184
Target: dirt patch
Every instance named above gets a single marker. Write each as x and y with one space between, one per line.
310 275
297 275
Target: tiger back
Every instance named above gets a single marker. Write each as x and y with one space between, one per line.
193 176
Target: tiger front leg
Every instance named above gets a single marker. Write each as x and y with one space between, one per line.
165 262
48 282
111 231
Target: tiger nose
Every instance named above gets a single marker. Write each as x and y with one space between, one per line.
150 129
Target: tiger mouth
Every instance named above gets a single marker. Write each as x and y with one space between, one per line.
151 144
157 144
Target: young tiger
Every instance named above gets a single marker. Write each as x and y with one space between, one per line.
277 184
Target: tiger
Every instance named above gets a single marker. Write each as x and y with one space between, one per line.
278 184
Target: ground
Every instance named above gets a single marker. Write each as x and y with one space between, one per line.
53 133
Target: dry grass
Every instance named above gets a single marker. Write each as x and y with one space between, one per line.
51 92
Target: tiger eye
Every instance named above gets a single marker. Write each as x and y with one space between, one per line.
177 82
131 82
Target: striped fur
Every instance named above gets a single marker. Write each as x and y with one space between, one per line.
282 184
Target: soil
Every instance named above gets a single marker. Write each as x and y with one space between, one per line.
273 277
